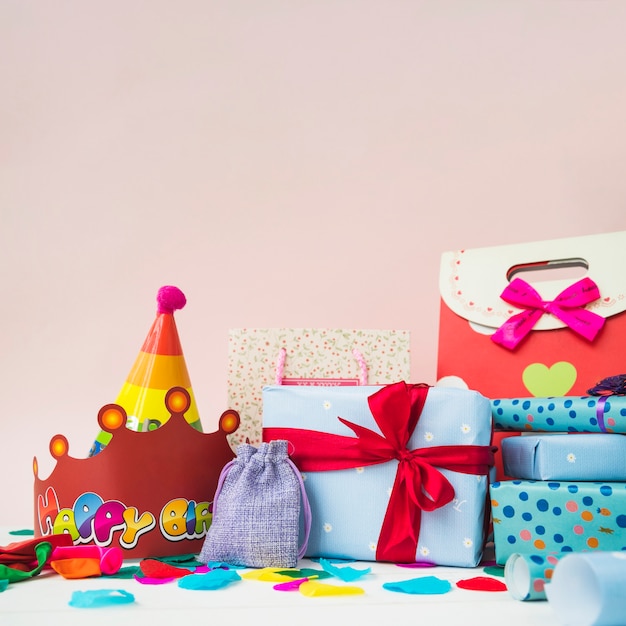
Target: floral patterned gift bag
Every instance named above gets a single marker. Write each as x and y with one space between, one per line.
308 357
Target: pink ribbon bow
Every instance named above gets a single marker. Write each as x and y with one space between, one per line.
568 306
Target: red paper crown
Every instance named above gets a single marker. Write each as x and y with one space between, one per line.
149 493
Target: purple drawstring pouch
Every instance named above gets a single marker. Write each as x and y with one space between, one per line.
256 510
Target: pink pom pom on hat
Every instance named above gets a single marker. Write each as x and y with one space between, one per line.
169 299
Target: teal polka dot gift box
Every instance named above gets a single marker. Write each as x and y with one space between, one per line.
542 517
571 414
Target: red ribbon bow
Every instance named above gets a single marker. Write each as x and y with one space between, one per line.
418 484
568 306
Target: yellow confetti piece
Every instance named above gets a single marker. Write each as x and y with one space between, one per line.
314 589
267 574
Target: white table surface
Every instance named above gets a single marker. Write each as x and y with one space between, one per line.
44 600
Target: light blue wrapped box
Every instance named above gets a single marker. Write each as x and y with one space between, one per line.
568 414
348 505
543 517
565 457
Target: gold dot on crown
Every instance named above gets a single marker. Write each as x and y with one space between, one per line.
59 446
229 421
177 400
111 417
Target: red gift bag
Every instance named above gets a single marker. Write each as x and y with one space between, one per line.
545 318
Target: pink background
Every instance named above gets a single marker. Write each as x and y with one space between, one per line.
299 164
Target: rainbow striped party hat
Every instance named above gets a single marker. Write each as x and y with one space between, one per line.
159 366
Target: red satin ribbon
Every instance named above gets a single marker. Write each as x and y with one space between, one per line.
568 306
418 484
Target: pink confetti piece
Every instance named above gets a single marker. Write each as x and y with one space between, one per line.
292 585
149 580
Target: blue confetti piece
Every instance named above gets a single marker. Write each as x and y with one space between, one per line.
347 574
425 585
223 565
4 583
215 579
318 559
98 598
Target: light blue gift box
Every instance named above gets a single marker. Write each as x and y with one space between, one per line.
573 414
595 456
348 506
544 517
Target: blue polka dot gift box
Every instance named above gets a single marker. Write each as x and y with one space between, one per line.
566 457
544 517
572 414
397 473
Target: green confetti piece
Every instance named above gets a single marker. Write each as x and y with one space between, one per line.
23 532
494 570
181 558
126 573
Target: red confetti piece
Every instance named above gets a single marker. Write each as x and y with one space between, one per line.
152 568
482 583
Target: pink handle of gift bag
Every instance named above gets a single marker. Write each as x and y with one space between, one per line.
282 355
